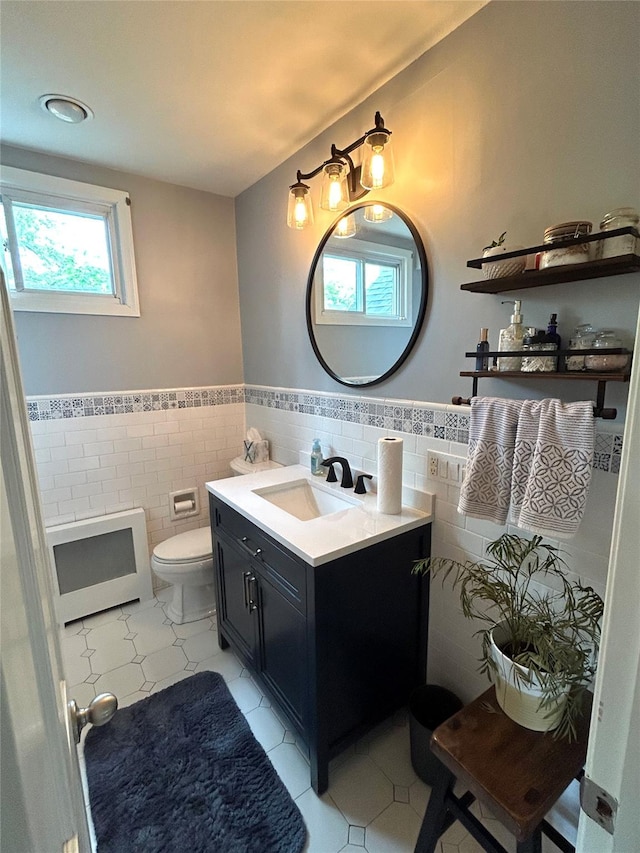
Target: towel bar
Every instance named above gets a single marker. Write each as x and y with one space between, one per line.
598 412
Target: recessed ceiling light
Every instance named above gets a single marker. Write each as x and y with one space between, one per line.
66 108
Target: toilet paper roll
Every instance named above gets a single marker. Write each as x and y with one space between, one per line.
183 506
390 475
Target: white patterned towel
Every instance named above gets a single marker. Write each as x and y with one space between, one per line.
486 490
552 463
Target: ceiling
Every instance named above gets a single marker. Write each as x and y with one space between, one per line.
211 95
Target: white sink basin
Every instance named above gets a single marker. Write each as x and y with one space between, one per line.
305 500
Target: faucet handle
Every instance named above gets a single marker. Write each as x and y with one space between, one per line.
331 476
360 487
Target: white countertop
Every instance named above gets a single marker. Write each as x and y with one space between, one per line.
328 537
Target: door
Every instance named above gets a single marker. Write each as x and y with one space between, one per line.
236 609
41 793
613 757
283 641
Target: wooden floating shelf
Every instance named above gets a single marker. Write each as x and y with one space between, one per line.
555 275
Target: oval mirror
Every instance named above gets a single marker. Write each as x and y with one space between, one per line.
367 294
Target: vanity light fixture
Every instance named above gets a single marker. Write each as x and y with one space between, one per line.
346 226
342 181
377 213
65 108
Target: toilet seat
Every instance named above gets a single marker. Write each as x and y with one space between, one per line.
194 546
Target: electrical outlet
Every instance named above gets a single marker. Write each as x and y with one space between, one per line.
432 465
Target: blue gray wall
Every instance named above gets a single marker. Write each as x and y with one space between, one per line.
188 332
525 116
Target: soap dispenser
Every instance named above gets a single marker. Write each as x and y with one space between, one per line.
511 339
316 458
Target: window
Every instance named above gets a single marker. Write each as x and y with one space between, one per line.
365 284
68 246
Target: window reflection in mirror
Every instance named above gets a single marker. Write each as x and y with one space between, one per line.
366 294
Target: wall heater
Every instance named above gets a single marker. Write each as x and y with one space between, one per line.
99 563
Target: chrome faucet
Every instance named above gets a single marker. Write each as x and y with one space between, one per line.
347 478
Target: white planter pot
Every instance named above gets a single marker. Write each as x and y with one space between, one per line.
501 269
518 691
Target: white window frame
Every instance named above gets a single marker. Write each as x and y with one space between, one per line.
374 252
114 205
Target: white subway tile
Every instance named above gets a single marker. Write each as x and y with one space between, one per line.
129 469
46 483
47 439
52 496
154 441
116 485
126 445
50 469
71 451
86 489
108 460
80 436
42 455
100 474
84 464
169 452
143 480
139 430
98 448
111 433
74 505
168 426
142 455
180 437
75 478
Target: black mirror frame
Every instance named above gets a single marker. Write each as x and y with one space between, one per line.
423 297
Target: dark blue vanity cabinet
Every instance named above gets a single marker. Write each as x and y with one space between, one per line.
337 647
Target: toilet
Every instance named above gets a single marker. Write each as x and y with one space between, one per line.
186 562
241 466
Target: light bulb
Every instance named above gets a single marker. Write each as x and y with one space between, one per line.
377 213
300 212
333 194
299 209
346 227
377 162
377 168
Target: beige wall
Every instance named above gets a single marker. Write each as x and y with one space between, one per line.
527 115
188 333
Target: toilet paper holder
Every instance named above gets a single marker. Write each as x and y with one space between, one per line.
183 503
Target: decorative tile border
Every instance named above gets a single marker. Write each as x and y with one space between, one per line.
86 405
435 420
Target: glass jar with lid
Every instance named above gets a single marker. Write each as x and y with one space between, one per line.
623 244
606 340
582 338
538 342
574 254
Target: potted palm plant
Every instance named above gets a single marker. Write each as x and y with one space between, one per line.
540 630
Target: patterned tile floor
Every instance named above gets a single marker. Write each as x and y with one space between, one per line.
375 801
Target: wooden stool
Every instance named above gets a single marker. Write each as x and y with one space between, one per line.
517 773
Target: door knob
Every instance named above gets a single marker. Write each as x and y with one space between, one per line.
98 712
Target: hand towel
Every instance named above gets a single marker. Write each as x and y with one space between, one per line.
486 490
555 491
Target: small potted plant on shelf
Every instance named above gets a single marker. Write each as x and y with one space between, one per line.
540 631
502 268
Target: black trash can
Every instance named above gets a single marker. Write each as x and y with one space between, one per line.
429 706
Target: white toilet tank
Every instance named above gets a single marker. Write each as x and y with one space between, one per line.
241 466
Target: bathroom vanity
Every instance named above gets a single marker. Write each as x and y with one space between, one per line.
316 596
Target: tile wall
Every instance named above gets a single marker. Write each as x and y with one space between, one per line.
98 454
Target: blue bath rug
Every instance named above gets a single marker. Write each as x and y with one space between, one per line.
182 771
